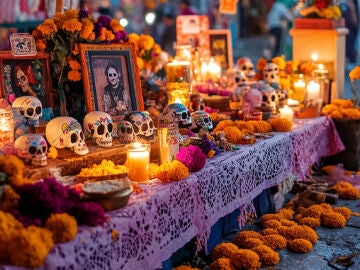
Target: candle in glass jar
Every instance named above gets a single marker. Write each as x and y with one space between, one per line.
6 127
138 161
313 91
286 113
299 90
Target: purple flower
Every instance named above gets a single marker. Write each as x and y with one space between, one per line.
125 36
118 37
97 29
83 13
88 213
104 21
192 156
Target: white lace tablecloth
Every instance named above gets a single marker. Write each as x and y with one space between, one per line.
164 217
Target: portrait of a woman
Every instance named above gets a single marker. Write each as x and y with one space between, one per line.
26 80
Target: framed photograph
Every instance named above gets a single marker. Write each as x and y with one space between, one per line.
221 47
194 30
26 76
111 78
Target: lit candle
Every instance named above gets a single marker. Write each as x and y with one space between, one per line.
138 161
178 82
313 91
299 90
214 70
6 127
314 57
286 113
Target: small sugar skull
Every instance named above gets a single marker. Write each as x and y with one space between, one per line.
282 95
99 126
66 132
142 123
176 113
269 98
201 120
271 73
235 78
32 148
30 107
247 67
125 132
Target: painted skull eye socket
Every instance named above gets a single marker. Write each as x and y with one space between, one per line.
136 129
44 149
273 98
144 127
128 130
265 98
110 127
30 111
206 120
38 110
184 115
101 129
73 138
32 150
151 124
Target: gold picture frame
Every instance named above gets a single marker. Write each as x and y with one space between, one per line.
100 65
221 47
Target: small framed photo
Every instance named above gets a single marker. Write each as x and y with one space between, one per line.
111 79
26 76
221 47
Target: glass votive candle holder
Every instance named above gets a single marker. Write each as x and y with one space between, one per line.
287 113
6 127
178 82
138 162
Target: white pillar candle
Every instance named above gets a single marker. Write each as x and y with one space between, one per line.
286 113
313 91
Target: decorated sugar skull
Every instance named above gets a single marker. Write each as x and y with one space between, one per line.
142 123
269 98
252 99
271 73
125 132
247 67
235 78
176 113
66 132
30 107
99 126
196 103
201 120
282 96
32 148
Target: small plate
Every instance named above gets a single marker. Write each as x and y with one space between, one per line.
105 188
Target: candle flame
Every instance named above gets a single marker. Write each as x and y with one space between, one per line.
314 57
320 66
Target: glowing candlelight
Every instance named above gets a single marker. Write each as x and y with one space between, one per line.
6 127
313 91
314 57
286 113
299 89
138 161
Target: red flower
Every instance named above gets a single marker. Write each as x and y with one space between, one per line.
321 3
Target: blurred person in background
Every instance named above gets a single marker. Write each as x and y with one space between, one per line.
280 11
185 9
168 38
350 13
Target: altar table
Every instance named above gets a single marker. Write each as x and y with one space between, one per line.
163 217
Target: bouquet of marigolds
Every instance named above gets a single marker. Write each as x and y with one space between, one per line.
61 36
341 109
319 9
355 85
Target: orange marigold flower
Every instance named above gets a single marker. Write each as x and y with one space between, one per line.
313 211
74 65
286 213
185 267
267 217
355 74
233 134
267 255
343 103
250 243
326 207
261 63
115 25
63 227
40 44
302 231
286 222
37 34
222 264
153 169
241 236
115 235
140 62
280 124
346 212
71 14
222 124
72 25
300 245
87 28
74 75
279 61
59 19
333 220
328 109
268 231
275 241
272 224
246 259
172 171
224 250
134 38
109 35
47 28
244 126
312 222
146 42
261 126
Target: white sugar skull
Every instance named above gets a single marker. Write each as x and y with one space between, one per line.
66 132
269 98
247 67
271 73
142 123
176 113
30 107
125 132
235 78
99 126
201 120
32 148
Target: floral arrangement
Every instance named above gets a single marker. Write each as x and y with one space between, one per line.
280 124
61 36
319 9
355 85
172 171
192 156
341 109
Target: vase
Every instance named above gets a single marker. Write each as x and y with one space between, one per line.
318 23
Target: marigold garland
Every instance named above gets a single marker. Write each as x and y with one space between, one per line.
312 222
346 212
224 250
243 235
280 124
275 241
172 171
347 191
246 259
250 243
333 220
300 245
63 227
267 255
272 224
268 231
222 264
